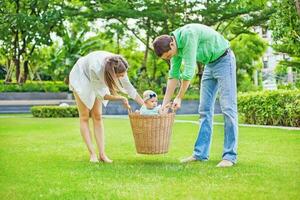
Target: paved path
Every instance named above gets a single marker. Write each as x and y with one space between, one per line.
35 102
179 121
23 106
215 123
243 125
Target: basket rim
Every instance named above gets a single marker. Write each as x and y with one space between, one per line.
150 116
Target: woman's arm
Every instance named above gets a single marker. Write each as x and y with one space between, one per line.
131 90
113 97
139 99
116 98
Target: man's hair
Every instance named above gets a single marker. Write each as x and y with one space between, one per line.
161 44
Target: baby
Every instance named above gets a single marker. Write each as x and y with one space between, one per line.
150 106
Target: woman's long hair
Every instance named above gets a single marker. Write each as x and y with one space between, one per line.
114 65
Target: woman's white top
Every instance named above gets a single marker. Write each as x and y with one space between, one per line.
87 79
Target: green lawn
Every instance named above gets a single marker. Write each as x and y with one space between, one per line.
217 118
46 159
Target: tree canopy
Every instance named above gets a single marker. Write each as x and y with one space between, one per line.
47 37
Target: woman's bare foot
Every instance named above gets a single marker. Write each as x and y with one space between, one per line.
94 159
105 159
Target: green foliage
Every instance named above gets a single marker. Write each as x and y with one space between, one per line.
233 18
74 45
45 86
279 108
245 84
282 70
126 23
63 58
248 50
285 25
54 111
287 86
294 63
25 26
153 18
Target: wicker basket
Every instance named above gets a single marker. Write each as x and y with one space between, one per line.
152 134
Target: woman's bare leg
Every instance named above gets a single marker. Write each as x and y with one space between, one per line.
84 127
96 113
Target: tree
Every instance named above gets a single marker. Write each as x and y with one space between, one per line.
285 24
150 18
153 18
26 25
143 19
248 50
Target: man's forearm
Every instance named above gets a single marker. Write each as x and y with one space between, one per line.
171 86
183 88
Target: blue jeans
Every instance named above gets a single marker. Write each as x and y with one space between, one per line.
218 76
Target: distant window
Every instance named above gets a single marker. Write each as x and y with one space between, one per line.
265 64
264 32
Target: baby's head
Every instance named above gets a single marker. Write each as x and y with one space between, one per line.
150 99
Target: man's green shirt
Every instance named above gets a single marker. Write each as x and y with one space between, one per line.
195 43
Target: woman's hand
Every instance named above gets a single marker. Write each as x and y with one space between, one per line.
125 103
118 97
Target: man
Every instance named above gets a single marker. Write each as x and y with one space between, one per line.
188 45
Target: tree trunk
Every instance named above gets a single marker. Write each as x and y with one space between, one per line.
154 67
26 71
9 71
144 64
26 63
16 56
17 64
118 43
16 47
298 6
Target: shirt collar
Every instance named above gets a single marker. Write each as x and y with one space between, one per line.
177 35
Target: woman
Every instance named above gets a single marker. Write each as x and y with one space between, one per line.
95 79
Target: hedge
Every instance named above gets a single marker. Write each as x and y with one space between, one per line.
54 111
278 108
45 86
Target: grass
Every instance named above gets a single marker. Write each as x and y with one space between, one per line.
217 118
46 159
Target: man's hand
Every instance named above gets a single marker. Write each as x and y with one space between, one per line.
171 86
176 103
165 109
168 105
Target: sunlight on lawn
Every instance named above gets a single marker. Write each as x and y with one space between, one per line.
46 158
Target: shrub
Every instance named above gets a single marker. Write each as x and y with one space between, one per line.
245 84
287 86
54 111
279 108
45 86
